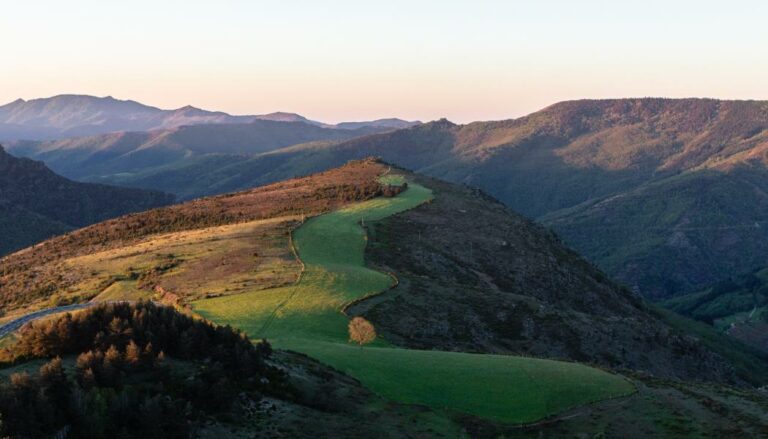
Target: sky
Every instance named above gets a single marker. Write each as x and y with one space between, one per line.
357 60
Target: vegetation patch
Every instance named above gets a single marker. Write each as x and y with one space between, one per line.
121 383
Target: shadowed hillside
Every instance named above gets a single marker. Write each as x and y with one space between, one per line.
475 277
36 203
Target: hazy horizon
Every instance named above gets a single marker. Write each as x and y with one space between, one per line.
344 61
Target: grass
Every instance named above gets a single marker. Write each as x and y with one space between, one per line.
307 317
499 387
392 179
217 260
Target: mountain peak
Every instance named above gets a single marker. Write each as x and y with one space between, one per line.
283 116
440 123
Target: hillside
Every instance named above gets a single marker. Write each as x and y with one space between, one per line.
42 275
695 166
36 203
256 261
125 156
66 116
475 277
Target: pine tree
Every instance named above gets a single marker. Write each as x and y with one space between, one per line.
132 354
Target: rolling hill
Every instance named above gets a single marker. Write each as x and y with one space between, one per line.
65 116
36 203
465 318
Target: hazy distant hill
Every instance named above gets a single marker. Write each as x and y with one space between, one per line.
379 123
126 155
66 116
36 204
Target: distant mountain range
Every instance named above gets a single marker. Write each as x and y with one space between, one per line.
36 204
81 115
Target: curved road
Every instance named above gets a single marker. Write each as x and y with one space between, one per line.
15 324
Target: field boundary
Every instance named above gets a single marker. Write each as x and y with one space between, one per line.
295 252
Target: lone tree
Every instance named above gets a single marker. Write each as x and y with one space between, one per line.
361 331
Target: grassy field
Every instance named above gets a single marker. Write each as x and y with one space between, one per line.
217 260
392 179
500 387
307 317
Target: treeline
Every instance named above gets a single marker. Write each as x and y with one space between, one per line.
122 383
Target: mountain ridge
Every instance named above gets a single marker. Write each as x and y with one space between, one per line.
71 115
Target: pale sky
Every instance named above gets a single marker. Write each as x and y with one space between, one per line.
357 60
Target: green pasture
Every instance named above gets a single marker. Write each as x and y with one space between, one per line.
500 387
307 317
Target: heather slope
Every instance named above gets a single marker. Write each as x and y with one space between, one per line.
476 277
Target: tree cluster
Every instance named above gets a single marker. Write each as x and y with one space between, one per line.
390 191
139 370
